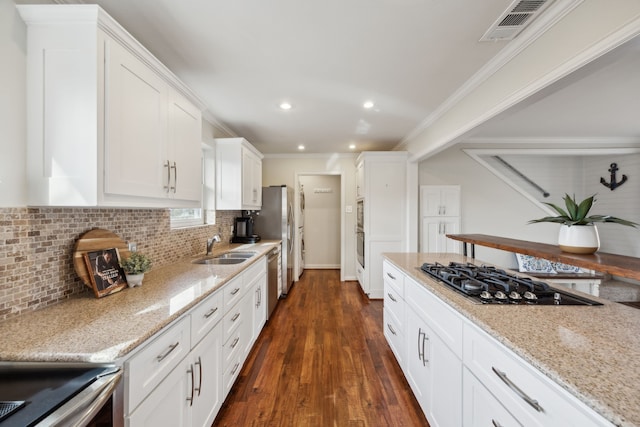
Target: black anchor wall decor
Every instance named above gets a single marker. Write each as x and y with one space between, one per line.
614 183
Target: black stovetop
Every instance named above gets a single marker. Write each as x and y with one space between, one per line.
491 285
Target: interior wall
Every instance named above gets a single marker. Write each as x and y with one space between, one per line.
282 170
321 220
488 205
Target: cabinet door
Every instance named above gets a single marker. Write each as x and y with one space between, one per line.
360 180
168 405
135 162
259 306
434 374
450 200
207 365
482 409
430 204
251 179
185 154
434 234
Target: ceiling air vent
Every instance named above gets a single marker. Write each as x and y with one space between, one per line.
518 15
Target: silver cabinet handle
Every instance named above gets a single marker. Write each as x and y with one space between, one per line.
391 297
235 342
391 275
425 350
420 345
172 347
235 317
235 291
190 399
534 403
235 368
391 329
175 177
167 165
211 312
495 423
199 365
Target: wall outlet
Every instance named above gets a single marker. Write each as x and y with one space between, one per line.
133 247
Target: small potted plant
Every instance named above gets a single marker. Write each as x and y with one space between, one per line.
578 233
134 268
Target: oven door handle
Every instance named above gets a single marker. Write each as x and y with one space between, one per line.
85 405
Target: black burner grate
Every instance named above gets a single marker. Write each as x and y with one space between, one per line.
9 407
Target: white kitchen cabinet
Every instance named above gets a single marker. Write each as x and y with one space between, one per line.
434 352
108 124
206 365
394 313
481 407
532 398
360 179
440 215
384 194
238 175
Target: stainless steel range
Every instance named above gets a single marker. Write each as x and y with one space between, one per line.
490 285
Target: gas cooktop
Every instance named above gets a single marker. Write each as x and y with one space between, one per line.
490 285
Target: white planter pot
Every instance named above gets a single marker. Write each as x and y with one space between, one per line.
134 279
579 239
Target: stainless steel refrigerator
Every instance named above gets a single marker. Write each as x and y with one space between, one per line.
275 221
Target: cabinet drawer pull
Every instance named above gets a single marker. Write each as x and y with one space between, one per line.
211 312
235 342
391 275
534 403
235 291
235 368
420 345
167 165
495 423
175 177
190 399
391 297
199 365
235 317
391 329
172 347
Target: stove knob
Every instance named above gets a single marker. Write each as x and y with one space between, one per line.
486 295
557 298
530 296
501 295
515 296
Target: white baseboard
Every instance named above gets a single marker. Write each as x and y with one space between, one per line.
322 266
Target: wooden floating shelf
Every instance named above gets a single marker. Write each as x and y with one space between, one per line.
616 265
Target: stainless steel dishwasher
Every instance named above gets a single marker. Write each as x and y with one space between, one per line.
272 277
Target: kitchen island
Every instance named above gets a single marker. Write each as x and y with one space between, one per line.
589 351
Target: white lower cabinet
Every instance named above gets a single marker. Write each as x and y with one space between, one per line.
461 376
182 376
481 409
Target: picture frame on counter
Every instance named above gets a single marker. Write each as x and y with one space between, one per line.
105 273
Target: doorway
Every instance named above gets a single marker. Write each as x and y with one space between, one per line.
319 231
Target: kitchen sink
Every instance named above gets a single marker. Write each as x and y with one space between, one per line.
225 258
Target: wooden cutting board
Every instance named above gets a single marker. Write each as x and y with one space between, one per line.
95 240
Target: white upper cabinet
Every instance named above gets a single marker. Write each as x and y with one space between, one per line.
439 216
238 175
440 200
108 124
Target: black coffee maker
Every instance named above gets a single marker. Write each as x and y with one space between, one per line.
243 230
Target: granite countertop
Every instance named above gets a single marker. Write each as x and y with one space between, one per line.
105 330
591 351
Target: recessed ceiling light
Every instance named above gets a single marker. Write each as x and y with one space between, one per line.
300 147
285 106
352 146
368 104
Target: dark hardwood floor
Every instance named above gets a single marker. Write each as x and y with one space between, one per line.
322 360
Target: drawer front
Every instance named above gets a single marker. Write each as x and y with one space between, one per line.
395 305
232 292
232 347
481 408
395 337
205 316
256 270
152 364
532 398
231 321
231 373
444 321
393 277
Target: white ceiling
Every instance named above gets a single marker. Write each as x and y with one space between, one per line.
244 57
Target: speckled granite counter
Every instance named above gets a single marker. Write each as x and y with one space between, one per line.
593 352
87 329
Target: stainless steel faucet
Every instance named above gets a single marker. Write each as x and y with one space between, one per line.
210 243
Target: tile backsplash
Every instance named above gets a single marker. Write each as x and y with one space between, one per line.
36 251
